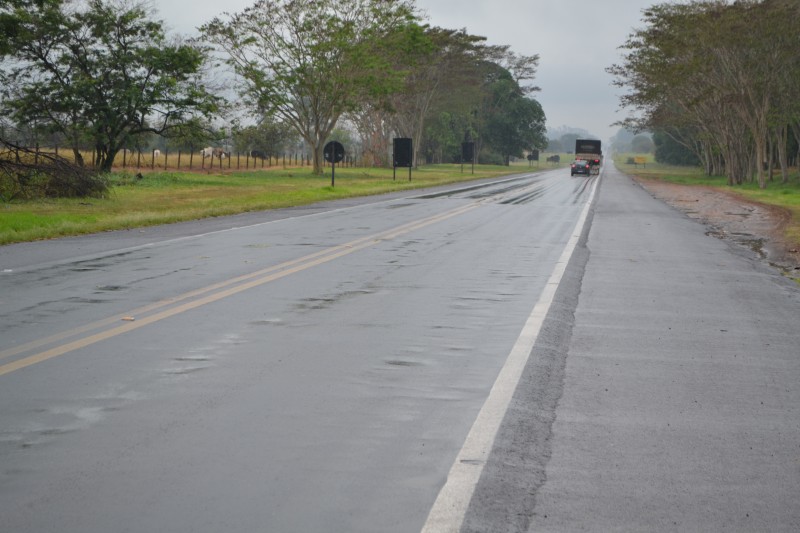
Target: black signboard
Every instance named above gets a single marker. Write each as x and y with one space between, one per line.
403 156
333 152
467 152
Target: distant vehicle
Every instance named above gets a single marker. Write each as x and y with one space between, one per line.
589 150
580 166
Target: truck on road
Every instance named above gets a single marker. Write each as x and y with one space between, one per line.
589 150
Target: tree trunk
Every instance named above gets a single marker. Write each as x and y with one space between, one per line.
781 141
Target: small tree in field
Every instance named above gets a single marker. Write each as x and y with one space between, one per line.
101 73
307 63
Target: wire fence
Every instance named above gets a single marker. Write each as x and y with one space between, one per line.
192 160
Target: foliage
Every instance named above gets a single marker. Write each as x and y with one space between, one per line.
443 78
166 197
720 78
306 63
670 152
268 136
554 145
642 144
99 74
27 174
514 122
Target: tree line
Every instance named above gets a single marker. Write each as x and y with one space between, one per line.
104 75
721 80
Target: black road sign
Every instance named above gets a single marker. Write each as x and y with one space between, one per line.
333 152
403 155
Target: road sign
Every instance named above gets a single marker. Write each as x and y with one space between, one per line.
333 152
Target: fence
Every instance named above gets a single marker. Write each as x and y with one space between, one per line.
193 160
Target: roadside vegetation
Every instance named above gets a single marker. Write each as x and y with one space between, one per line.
718 80
100 78
168 197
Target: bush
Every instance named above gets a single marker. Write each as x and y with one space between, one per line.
26 174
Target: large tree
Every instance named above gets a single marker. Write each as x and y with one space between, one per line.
99 73
307 63
513 121
445 79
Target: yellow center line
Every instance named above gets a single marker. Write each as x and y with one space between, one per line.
204 296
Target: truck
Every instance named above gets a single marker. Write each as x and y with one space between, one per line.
589 150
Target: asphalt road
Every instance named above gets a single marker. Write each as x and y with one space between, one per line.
543 353
317 370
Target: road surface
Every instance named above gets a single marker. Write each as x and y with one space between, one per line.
540 352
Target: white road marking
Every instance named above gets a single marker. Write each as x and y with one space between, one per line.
450 507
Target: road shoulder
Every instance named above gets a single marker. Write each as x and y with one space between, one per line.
665 396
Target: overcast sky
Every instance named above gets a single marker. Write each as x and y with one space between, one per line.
575 39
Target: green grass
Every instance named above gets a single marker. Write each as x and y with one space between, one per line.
168 197
786 196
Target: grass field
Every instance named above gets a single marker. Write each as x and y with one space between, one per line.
160 197
786 196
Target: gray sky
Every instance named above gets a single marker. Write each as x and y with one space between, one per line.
575 39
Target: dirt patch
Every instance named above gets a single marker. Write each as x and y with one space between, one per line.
729 216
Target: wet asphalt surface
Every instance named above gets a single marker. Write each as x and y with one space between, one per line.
664 393
318 369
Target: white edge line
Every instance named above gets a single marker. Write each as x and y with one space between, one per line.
450 508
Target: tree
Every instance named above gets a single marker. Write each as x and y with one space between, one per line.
444 78
671 152
267 136
307 63
727 73
514 122
568 141
641 144
100 75
554 145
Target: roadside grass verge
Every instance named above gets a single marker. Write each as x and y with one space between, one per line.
778 194
169 197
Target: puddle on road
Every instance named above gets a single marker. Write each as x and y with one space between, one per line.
195 358
87 300
402 362
756 244
186 370
267 322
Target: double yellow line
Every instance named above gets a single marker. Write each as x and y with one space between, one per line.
143 316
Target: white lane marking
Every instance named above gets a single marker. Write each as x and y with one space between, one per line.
450 508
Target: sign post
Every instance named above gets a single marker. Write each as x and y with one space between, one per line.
468 154
333 153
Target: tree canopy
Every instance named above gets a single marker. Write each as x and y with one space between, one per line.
719 78
102 75
99 74
307 63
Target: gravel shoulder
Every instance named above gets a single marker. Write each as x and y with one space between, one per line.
731 217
